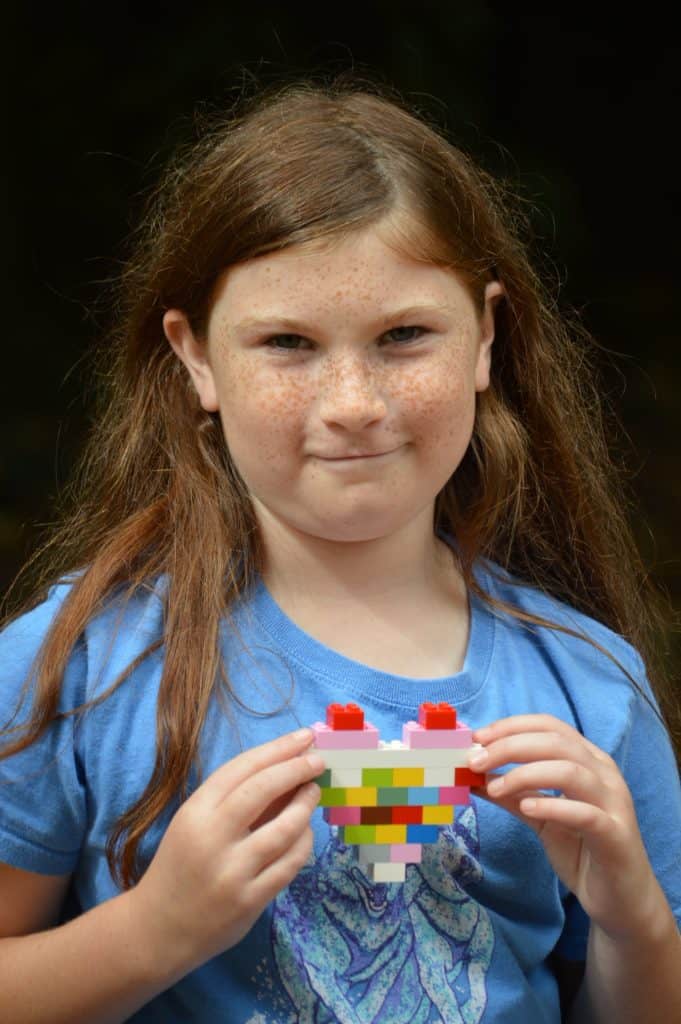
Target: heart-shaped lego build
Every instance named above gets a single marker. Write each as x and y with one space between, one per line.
388 798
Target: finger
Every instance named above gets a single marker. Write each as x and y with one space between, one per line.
520 748
271 841
512 805
281 872
249 800
568 777
518 724
231 774
576 816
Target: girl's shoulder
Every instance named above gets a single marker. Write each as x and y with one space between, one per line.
141 606
578 644
117 632
573 666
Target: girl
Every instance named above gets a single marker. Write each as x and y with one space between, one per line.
345 450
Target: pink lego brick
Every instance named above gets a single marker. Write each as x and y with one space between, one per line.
345 739
343 815
457 796
347 717
416 737
437 716
406 853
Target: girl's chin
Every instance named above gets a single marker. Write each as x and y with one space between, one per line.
362 532
358 524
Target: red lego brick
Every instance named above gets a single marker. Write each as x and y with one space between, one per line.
407 815
344 716
466 777
437 716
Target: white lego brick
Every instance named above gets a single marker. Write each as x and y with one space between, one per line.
397 756
346 776
438 777
345 758
387 872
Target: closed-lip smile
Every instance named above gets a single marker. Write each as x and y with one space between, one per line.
354 455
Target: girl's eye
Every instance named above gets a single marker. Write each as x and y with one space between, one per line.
405 341
290 342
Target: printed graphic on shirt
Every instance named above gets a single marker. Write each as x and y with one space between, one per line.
348 950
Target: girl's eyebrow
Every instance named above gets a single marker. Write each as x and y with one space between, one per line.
295 323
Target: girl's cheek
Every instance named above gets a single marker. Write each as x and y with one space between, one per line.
431 390
258 393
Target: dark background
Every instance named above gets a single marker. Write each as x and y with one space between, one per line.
580 112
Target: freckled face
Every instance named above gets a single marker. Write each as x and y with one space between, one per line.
347 420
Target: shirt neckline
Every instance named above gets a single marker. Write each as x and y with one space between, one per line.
364 682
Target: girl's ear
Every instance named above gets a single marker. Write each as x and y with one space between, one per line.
194 355
494 291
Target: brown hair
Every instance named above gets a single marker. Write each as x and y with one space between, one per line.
537 493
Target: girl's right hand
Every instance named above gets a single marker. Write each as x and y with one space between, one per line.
240 837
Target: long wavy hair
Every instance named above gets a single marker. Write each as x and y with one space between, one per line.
155 490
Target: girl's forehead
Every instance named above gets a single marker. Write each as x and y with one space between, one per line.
363 268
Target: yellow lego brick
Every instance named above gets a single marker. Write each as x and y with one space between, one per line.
443 815
360 796
408 776
391 834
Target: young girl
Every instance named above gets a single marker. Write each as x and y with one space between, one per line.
346 450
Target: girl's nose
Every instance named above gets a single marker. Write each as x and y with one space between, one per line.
350 395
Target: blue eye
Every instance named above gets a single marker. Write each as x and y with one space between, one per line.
406 341
291 342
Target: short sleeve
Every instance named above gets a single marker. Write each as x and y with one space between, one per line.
42 792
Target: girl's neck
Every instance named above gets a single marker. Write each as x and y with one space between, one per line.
411 565
398 604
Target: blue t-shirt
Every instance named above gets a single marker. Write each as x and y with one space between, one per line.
467 937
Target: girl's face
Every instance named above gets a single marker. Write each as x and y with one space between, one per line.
345 379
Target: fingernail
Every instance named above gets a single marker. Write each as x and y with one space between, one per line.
482 734
478 759
495 787
316 762
303 734
314 791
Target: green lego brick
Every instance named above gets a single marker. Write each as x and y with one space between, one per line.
356 834
392 796
332 797
377 776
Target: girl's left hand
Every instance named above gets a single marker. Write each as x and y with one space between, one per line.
590 832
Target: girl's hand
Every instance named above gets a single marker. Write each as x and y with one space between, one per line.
239 838
590 832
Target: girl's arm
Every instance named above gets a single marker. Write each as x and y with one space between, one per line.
94 970
239 839
591 836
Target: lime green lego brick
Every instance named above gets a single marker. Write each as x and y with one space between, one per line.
392 796
357 834
377 776
332 797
